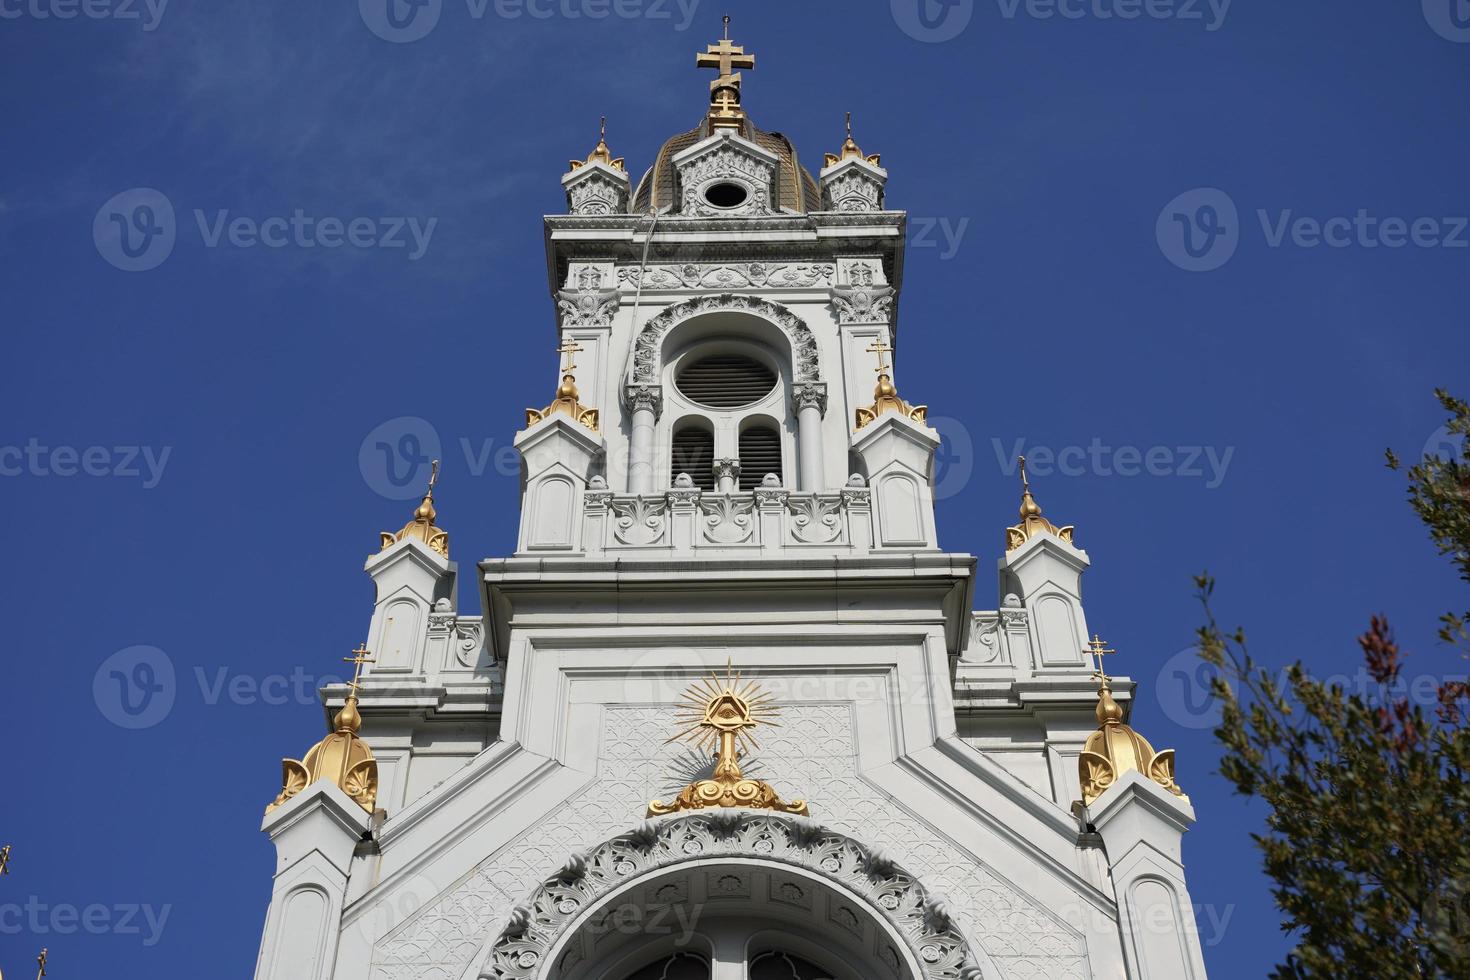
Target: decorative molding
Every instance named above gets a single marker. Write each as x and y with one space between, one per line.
639 520
854 190
586 302
727 519
810 394
727 162
647 351
734 275
644 396
919 917
815 518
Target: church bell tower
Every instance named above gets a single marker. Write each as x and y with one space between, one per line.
729 712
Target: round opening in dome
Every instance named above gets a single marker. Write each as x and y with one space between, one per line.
725 381
726 195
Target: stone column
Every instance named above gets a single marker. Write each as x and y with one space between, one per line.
644 402
811 405
727 475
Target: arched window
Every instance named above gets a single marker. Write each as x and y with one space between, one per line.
760 453
692 451
774 965
680 966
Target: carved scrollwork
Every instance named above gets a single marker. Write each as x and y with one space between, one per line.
815 519
647 353
639 520
921 919
735 275
727 519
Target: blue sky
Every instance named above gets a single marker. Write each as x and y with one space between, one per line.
180 445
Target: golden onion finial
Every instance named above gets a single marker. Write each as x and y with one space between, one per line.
421 525
600 153
342 756
1115 749
568 400
851 150
885 392
1032 521
719 714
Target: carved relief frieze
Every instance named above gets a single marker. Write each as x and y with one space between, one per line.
647 351
736 275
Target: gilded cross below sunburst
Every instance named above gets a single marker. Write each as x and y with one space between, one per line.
718 714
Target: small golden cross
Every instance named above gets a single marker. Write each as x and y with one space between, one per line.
41 963
359 657
1098 649
880 349
5 860
725 57
566 350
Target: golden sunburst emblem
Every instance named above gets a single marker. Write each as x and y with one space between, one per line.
718 714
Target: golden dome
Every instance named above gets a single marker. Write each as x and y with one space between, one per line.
796 188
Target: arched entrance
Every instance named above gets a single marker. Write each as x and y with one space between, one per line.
739 893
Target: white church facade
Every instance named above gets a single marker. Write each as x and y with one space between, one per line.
729 711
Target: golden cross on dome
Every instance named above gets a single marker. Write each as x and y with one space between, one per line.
1098 649
880 348
360 655
566 350
725 57
5 860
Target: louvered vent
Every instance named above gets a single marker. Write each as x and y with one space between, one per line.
726 381
693 452
760 453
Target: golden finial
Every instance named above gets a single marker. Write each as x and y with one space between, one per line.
850 149
1032 523
724 97
5 860
600 153
1115 749
567 397
41 963
885 394
720 713
342 756
422 525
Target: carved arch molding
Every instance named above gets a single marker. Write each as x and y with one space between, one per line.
648 348
655 847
